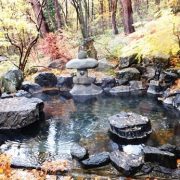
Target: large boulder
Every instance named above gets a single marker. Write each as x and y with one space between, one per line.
128 164
163 158
11 81
129 125
19 112
46 79
127 74
96 160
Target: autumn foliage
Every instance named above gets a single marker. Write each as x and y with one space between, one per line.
5 169
56 47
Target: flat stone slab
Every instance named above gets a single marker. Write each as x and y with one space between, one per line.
19 112
87 63
96 160
128 164
163 158
129 125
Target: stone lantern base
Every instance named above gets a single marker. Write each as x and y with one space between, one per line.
86 90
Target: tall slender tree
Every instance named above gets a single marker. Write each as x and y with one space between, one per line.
57 14
41 21
113 16
127 16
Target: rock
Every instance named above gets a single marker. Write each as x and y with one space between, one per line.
119 89
86 90
167 172
3 58
128 164
96 160
177 152
170 77
64 81
46 79
176 174
168 100
31 71
84 80
147 168
22 93
149 72
168 147
127 61
19 112
5 95
104 65
163 158
78 152
176 101
30 87
155 87
56 64
108 82
127 74
128 125
87 63
136 85
12 81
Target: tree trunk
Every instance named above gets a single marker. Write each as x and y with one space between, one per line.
40 17
57 14
102 13
157 2
127 16
114 9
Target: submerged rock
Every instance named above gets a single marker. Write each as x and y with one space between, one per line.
78 151
128 125
46 79
119 89
128 164
163 158
19 112
96 160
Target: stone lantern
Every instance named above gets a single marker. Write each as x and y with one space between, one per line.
83 84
